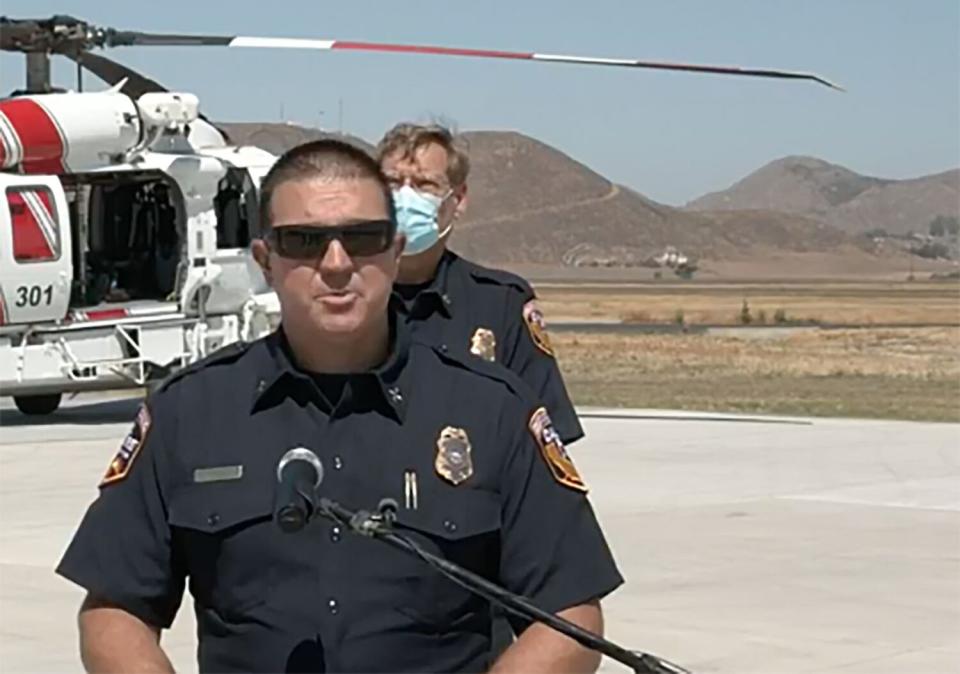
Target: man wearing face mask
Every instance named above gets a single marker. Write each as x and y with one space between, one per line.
449 301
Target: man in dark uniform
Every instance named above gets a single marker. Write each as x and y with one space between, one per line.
456 304
475 465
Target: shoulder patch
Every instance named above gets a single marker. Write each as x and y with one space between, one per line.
120 466
537 326
553 451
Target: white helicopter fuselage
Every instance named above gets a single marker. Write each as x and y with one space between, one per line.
125 234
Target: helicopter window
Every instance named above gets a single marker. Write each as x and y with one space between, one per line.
35 228
232 209
134 244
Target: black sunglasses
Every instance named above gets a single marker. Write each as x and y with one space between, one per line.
361 239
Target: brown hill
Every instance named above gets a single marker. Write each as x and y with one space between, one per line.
530 203
277 138
837 196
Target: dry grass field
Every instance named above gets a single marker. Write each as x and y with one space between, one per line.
909 372
922 302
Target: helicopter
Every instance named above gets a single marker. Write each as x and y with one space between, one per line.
127 217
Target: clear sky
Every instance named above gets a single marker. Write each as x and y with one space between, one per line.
672 136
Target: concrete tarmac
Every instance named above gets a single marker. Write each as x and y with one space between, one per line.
760 545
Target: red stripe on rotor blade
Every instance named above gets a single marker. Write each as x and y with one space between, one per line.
29 242
43 147
424 49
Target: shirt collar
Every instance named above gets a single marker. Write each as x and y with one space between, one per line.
439 291
278 367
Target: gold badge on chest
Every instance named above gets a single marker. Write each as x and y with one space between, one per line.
454 462
484 344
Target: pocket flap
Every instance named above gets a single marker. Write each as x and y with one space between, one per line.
470 514
218 506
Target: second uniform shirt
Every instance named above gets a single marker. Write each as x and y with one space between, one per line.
475 311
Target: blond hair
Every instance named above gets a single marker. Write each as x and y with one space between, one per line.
406 138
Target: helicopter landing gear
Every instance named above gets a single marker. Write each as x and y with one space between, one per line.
38 405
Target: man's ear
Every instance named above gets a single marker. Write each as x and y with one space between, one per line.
461 202
399 243
261 253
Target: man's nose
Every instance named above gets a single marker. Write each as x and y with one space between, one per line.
335 258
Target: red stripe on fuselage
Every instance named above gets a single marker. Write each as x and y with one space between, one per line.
29 242
106 314
43 147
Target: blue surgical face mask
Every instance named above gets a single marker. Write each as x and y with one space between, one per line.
417 218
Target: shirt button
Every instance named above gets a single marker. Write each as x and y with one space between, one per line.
335 533
450 526
333 606
446 299
213 519
443 348
395 394
337 463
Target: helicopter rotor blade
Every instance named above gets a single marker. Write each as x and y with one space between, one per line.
136 84
112 73
128 38
295 43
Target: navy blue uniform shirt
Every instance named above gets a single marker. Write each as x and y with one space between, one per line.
471 310
477 469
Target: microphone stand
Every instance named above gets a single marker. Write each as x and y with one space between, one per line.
380 526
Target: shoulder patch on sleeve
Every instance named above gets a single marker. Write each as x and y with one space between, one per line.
120 466
537 326
553 451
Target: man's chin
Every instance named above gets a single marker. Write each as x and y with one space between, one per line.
345 326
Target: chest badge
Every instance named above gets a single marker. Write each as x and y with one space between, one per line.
484 344
453 462
537 326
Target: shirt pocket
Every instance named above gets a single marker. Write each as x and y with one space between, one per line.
464 529
225 536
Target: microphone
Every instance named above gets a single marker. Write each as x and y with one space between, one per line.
299 473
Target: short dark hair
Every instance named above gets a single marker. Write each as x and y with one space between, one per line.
327 159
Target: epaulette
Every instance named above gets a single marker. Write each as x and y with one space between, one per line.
224 355
498 277
481 367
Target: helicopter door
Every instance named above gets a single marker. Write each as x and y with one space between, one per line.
36 269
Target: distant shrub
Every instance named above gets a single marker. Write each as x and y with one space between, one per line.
931 251
779 316
745 317
762 317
